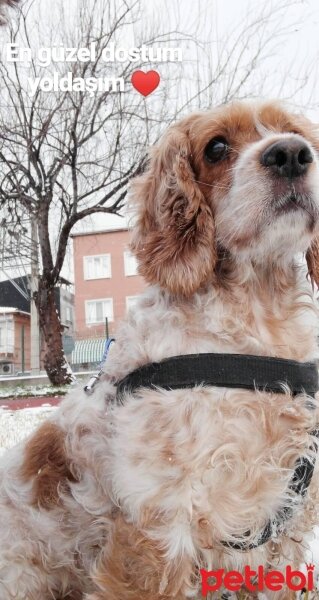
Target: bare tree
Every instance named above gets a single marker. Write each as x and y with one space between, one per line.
67 154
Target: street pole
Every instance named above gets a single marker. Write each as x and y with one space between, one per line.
106 328
22 350
35 334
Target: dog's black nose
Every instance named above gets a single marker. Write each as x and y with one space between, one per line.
288 158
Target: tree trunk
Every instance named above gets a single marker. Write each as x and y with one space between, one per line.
55 362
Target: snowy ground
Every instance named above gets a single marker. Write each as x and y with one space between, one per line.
16 425
32 390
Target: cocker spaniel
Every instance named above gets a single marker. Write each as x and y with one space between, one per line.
131 496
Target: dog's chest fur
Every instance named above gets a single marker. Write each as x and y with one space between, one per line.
195 467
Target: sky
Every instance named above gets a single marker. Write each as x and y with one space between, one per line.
288 71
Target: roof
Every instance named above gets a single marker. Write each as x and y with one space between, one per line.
65 281
11 309
99 231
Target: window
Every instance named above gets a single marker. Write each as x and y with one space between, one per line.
97 267
131 301
68 314
96 311
130 264
7 335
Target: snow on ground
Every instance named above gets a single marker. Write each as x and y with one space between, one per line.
16 425
33 390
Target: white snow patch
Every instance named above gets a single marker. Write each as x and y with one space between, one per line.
16 425
35 390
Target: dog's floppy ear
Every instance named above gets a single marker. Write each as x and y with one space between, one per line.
310 131
173 239
312 257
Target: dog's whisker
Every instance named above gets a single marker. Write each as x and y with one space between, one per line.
213 185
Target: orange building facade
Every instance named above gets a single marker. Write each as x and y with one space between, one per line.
106 281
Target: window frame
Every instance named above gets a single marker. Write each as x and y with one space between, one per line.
128 256
95 300
91 257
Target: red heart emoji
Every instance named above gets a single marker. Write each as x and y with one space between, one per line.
145 83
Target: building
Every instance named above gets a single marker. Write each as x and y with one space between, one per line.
15 326
16 292
14 340
106 285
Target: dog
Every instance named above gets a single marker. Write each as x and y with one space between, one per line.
131 496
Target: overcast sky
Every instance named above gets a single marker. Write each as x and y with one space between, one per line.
289 71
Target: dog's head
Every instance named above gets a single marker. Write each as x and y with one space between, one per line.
242 179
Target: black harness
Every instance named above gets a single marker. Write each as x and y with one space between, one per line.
238 371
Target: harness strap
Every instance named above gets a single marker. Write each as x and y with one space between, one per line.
299 484
89 387
224 370
237 371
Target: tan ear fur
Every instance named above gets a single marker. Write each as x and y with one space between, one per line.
174 234
310 131
312 257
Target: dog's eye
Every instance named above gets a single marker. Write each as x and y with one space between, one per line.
216 149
